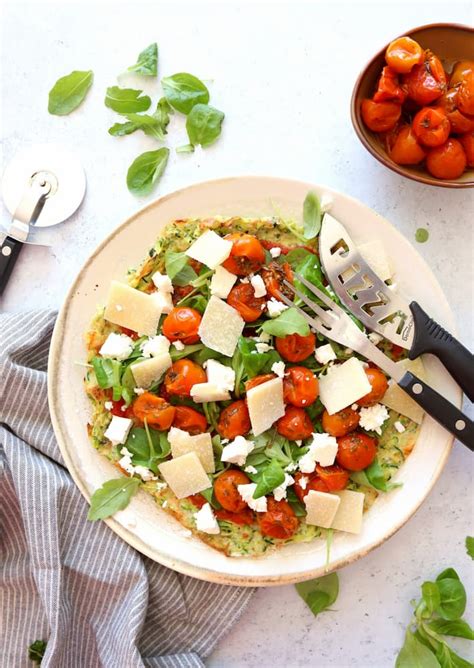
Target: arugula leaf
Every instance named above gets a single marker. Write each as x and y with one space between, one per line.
289 322
448 573
147 447
146 170
114 495
255 363
414 654
148 124
107 371
68 92
36 651
470 546
431 597
457 627
197 302
126 100
320 593
185 148
271 476
453 599
311 215
204 124
374 476
183 91
162 113
298 507
210 497
147 61
178 268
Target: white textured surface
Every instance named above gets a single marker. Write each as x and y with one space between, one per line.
284 78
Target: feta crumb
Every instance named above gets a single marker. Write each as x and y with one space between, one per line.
264 337
275 307
250 469
375 338
322 450
237 451
348 351
164 301
206 520
399 427
160 486
279 369
303 481
325 354
355 407
108 405
291 467
165 503
258 286
118 430
263 347
117 346
220 375
299 442
144 473
162 282
373 417
275 252
155 345
179 345
245 279
247 492
126 463
139 390
279 492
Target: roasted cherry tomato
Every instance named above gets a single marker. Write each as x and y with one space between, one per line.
156 411
246 517
294 347
356 451
427 81
405 149
335 477
182 324
197 500
300 386
273 277
190 420
447 161
234 420
467 142
340 423
388 87
182 375
295 424
459 122
379 384
460 70
431 126
247 255
403 54
120 409
279 521
226 492
180 292
268 245
465 97
380 116
311 482
258 380
242 298
129 332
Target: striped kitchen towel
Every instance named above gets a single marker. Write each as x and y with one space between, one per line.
69 581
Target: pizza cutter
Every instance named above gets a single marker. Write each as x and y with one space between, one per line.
42 186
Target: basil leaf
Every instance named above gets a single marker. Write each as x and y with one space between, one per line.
448 573
255 363
457 627
374 476
289 322
178 268
126 100
68 92
183 91
147 61
146 170
203 125
453 599
36 651
414 654
470 546
114 495
431 596
311 215
271 476
107 371
320 593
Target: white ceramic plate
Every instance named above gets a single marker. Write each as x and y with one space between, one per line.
142 524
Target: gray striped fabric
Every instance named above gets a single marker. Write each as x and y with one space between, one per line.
64 579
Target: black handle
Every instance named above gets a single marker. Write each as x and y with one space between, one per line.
432 338
440 409
9 252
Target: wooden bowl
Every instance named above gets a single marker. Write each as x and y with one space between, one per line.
450 42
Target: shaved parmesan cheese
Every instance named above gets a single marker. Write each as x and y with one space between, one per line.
321 508
398 400
210 249
132 309
374 254
349 514
204 392
164 301
265 404
343 385
220 327
185 475
149 371
181 443
222 282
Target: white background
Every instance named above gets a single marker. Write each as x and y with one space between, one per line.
283 74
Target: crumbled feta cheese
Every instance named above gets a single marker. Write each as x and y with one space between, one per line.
206 520
108 405
348 351
139 390
399 427
144 473
275 251
263 347
258 286
322 450
126 463
264 337
163 300
118 430
279 369
275 307
355 407
291 467
237 451
247 492
156 345
375 338
373 417
279 492
325 354
326 202
222 282
179 345
245 279
219 374
299 442
160 486
250 469
303 481
118 346
165 504
162 282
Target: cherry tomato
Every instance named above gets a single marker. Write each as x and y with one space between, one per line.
312 483
380 116
294 347
459 121
403 54
182 324
431 126
447 161
379 384
460 71
226 492
182 375
268 245
340 423
117 407
279 521
197 500
129 332
295 424
300 386
180 292
155 410
465 97
234 420
273 277
335 477
356 451
247 255
467 142
426 81
388 87
406 150
242 298
246 517
190 420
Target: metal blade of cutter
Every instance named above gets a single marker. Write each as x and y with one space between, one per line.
359 288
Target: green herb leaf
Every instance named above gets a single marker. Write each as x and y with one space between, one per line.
178 268
271 476
470 546
453 598
431 596
114 495
448 573
422 235
148 124
311 215
183 91
146 170
147 61
374 476
36 651
457 627
298 507
255 363
203 125
107 371
162 113
186 148
68 92
414 654
126 100
320 593
210 497
289 322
